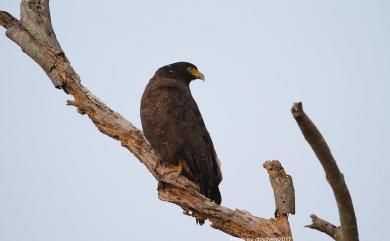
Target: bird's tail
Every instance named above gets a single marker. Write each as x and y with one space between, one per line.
211 192
215 195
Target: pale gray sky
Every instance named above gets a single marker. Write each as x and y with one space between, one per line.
62 180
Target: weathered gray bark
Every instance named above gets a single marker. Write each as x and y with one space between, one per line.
283 188
324 226
35 35
348 227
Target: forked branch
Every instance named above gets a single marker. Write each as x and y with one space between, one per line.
34 34
348 229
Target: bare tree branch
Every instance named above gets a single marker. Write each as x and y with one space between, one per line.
284 193
35 35
7 20
283 188
348 228
240 222
324 226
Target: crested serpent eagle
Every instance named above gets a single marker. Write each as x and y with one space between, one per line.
173 125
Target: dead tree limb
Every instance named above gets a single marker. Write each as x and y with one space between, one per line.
34 34
284 193
348 230
324 226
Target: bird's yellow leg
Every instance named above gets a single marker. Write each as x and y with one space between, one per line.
168 170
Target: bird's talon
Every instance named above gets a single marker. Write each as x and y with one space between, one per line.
172 170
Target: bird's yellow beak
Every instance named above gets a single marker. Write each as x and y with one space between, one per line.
196 73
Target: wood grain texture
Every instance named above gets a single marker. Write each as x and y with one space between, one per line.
283 188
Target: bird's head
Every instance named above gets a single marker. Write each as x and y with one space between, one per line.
181 70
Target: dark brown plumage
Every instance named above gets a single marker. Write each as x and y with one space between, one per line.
173 125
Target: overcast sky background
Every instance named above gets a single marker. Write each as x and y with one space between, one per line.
62 180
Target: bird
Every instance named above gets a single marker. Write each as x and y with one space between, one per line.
173 125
